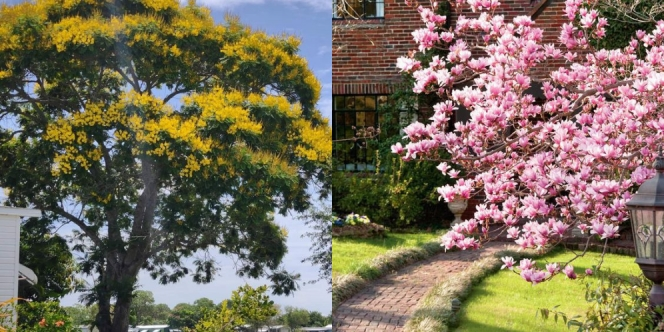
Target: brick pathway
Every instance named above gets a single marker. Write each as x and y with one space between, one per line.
386 304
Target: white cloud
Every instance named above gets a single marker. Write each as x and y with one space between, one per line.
322 72
223 3
324 49
315 4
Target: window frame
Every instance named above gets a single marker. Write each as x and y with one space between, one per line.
379 9
355 162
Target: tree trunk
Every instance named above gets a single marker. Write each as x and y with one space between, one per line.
103 319
121 314
117 281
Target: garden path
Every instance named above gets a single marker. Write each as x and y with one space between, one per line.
385 304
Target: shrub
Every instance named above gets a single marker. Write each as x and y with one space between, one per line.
43 317
35 317
617 304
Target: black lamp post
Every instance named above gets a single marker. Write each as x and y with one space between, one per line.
647 215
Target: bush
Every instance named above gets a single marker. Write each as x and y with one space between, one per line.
617 304
43 317
35 317
397 198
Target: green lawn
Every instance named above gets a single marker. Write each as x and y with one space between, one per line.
349 254
504 302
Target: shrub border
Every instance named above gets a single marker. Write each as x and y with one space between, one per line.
346 285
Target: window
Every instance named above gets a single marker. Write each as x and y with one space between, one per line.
351 113
363 9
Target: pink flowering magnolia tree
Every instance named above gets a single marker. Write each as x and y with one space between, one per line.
543 167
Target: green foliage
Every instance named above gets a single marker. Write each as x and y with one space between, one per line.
7 315
93 137
82 315
398 197
621 29
144 311
246 305
296 317
320 234
356 219
617 304
49 257
43 317
317 319
184 315
399 194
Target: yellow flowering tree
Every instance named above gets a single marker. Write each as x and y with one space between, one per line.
158 134
247 305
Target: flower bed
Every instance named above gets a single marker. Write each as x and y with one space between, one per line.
358 226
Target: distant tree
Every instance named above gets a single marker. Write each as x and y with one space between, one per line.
48 255
141 311
295 317
187 315
319 220
160 313
317 319
93 137
248 305
82 315
203 304
183 315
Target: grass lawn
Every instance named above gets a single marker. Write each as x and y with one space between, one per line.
349 254
505 302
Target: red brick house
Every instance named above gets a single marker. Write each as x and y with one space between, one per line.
365 52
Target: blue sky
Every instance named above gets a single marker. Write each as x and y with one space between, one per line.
310 20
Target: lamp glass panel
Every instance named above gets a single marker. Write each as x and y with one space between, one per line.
659 236
643 226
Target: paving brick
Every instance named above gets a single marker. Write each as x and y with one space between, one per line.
387 303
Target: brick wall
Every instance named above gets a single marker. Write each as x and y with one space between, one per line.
365 52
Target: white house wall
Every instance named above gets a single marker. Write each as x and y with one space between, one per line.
9 249
10 235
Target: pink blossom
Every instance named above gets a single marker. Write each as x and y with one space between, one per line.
426 38
397 148
509 263
569 271
443 167
407 64
468 243
559 228
597 228
610 231
513 233
526 264
589 272
579 166
553 268
533 276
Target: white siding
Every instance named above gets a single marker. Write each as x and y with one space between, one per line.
9 247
